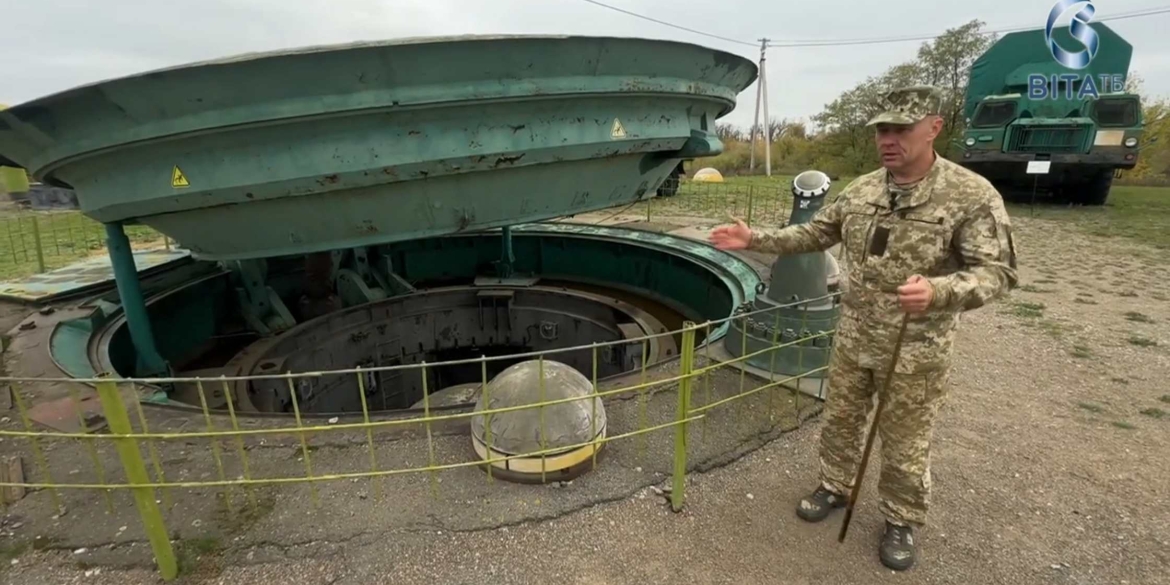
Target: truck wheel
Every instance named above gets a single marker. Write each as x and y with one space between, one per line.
1096 190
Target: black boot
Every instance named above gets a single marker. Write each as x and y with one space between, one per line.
817 505
897 548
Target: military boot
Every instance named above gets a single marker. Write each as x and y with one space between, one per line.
817 505
897 547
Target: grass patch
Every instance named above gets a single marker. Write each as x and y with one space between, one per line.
1127 293
1050 327
1140 341
1027 310
1136 213
1138 317
1085 301
1033 289
1081 351
240 519
1120 380
1123 425
189 552
1157 413
203 555
1091 407
12 550
63 237
1165 398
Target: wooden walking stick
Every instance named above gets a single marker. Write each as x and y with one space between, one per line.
873 430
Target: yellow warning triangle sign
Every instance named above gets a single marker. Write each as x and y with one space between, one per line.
178 179
618 131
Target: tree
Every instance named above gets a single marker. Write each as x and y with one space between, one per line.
728 132
946 64
1154 157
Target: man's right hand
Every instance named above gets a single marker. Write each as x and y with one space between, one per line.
732 237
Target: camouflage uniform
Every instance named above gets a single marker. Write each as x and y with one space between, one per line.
952 228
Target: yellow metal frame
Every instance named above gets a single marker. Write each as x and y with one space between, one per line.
128 440
565 459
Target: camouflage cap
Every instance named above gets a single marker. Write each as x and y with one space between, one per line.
907 105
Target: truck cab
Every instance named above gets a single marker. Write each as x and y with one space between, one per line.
1022 106
1085 142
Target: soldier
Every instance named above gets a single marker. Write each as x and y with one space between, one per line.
922 236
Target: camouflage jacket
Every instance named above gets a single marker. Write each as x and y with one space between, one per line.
952 228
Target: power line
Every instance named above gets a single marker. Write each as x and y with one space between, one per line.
663 22
844 42
860 41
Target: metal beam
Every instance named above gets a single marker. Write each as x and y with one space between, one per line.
149 362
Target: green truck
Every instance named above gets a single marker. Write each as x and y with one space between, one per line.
1080 126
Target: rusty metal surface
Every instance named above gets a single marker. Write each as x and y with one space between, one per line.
353 145
435 326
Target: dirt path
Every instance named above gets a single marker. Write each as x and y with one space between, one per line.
1049 467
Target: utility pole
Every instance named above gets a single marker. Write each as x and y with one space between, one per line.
766 128
762 99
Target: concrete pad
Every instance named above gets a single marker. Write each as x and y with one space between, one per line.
815 387
693 232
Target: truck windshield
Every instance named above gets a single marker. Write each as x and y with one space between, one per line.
992 114
1116 112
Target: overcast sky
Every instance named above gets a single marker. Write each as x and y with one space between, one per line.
51 45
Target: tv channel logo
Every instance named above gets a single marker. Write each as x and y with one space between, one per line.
1042 87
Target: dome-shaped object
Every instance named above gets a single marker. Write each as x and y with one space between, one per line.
567 427
708 175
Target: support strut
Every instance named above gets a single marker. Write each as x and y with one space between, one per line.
149 362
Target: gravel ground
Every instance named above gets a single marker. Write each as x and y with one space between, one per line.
1049 467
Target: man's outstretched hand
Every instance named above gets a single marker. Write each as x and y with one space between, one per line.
731 237
916 294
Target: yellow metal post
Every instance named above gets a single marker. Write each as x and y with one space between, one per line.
593 409
487 405
243 453
292 390
361 380
131 456
687 359
38 453
150 448
91 447
430 437
540 399
227 494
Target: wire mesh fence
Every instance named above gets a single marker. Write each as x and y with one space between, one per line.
33 242
650 412
763 202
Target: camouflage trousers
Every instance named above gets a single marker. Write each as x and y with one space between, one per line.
904 432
